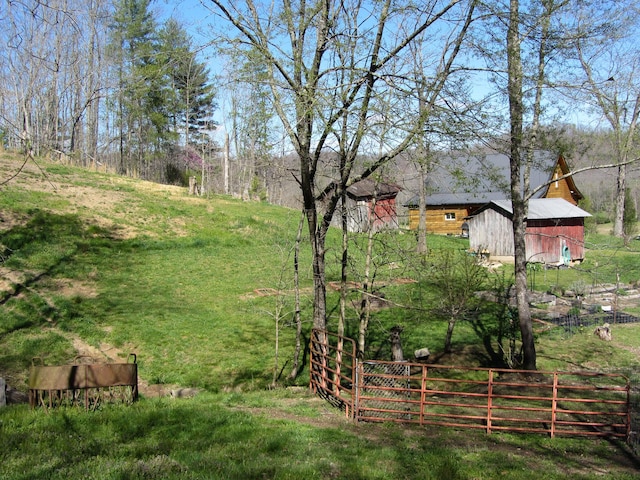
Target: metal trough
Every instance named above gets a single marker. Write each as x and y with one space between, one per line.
88 384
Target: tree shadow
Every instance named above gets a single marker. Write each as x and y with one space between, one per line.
46 245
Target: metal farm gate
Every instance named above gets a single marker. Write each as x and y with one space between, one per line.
552 403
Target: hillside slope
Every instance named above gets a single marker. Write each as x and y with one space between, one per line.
102 264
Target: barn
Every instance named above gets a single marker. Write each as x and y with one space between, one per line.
363 213
462 185
554 231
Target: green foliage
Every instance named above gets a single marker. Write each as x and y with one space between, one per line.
496 324
269 435
164 90
190 98
590 223
630 217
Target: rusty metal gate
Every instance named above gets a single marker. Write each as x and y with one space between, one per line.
84 383
553 403
332 369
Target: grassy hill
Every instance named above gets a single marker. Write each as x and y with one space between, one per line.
93 263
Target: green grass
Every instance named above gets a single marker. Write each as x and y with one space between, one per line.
140 268
245 436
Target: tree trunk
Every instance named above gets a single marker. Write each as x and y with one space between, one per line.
367 288
522 302
621 186
298 318
447 340
516 113
422 211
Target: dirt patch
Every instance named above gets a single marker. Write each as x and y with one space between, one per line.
104 204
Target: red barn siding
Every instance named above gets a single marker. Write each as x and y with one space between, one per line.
545 239
384 214
492 230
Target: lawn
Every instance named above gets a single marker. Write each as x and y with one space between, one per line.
100 264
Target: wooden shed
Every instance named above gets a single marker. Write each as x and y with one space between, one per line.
363 213
554 231
462 185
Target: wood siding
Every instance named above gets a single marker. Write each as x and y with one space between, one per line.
437 221
560 188
435 214
491 230
360 215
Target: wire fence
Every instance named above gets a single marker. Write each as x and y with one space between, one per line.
574 322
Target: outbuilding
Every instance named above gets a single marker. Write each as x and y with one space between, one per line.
554 230
370 205
462 185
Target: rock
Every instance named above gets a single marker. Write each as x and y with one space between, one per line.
184 392
604 332
3 390
422 354
16 396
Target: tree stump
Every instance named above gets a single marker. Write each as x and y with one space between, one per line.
396 344
193 186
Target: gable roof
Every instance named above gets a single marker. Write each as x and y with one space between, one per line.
540 209
479 179
367 188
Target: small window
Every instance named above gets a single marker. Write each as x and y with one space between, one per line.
450 216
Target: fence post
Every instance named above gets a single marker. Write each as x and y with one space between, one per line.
628 419
489 400
554 404
423 392
358 382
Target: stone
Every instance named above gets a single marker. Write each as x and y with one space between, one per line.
603 332
422 354
3 390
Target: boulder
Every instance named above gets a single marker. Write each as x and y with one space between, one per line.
603 332
422 354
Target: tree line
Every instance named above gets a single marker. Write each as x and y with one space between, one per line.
102 82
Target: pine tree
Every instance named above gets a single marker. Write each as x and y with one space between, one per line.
141 112
191 101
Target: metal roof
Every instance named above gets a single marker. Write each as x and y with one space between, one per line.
368 188
479 179
543 208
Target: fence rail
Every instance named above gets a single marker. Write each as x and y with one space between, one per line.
553 403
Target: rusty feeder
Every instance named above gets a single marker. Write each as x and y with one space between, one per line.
84 383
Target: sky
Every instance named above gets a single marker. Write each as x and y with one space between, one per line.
196 19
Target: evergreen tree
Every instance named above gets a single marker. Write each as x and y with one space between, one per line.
630 217
191 101
141 109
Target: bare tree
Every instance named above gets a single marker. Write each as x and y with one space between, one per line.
530 43
52 74
306 48
607 80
